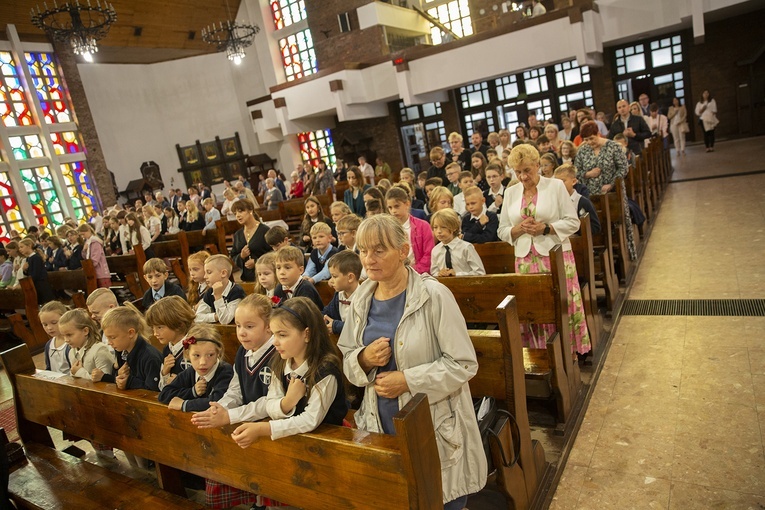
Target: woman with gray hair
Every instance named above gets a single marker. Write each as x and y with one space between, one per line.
405 335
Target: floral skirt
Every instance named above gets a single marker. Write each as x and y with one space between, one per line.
536 335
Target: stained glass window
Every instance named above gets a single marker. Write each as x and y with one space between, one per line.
10 214
50 89
79 188
26 147
66 143
287 12
317 145
455 15
14 110
298 55
43 197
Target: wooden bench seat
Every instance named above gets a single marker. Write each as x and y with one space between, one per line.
50 480
127 266
329 468
82 280
28 329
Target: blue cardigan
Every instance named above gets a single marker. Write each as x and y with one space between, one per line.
356 205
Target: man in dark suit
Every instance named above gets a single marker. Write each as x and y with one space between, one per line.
634 128
476 139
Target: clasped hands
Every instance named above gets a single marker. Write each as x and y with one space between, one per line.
387 384
530 226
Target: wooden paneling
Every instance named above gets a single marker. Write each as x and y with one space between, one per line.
165 27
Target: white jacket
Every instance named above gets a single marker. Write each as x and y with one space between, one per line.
435 353
554 207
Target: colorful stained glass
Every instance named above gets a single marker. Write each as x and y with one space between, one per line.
298 55
14 110
317 145
26 147
50 89
66 143
10 214
43 197
287 12
79 188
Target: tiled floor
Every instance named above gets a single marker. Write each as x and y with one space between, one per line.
677 418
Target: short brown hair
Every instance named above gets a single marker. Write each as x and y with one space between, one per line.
436 152
276 235
220 261
347 261
350 222
589 129
398 194
172 312
434 181
155 265
244 204
290 254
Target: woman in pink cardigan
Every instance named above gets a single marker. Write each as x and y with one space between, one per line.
94 250
420 236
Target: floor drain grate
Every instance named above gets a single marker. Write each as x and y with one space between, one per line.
709 307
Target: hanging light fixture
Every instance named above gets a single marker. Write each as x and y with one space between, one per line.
81 26
232 37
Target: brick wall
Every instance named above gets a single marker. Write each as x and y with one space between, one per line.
333 47
603 87
713 66
384 134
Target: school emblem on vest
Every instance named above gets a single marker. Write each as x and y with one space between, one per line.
265 375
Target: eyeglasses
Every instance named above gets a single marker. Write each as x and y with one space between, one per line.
342 232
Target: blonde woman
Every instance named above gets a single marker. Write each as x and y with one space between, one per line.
152 221
194 219
225 209
551 132
458 153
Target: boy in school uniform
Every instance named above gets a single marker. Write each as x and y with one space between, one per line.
321 239
567 174
34 268
495 195
278 237
156 273
99 302
466 180
138 362
289 269
222 296
479 225
345 271
346 232
452 256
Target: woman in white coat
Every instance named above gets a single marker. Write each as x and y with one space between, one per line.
706 111
404 335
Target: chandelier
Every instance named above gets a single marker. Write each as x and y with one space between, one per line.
79 25
232 37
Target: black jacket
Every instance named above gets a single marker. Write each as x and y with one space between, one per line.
145 363
638 125
183 387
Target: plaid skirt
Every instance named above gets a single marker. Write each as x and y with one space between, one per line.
219 495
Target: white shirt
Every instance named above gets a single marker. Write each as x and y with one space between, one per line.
223 309
459 204
233 401
493 207
368 172
539 9
465 258
322 395
408 229
175 348
57 356
343 307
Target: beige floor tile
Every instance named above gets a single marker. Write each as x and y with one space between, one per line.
604 388
614 358
757 360
685 496
726 331
651 412
666 355
648 381
721 358
569 487
604 489
758 381
715 463
698 419
720 386
639 453
651 330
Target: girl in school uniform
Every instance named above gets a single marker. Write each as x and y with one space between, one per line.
208 377
34 268
86 352
56 349
245 399
56 258
306 388
313 215
170 319
93 249
265 274
197 285
138 234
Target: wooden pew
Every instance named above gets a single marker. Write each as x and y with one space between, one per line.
604 251
83 280
25 298
542 299
498 257
173 252
293 211
332 467
617 213
224 231
126 265
197 240
581 245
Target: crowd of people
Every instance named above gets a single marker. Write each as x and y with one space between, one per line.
382 249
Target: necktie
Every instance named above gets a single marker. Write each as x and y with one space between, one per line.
157 296
288 291
448 258
344 302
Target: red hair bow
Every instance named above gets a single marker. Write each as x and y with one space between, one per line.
188 342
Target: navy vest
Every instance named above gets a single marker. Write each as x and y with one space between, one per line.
254 381
339 407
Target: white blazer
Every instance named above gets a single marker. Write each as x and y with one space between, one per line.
554 207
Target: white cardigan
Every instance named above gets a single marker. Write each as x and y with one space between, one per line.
554 206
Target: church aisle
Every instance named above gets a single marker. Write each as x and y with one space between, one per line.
677 418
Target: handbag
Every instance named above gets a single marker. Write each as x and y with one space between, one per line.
491 422
684 127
